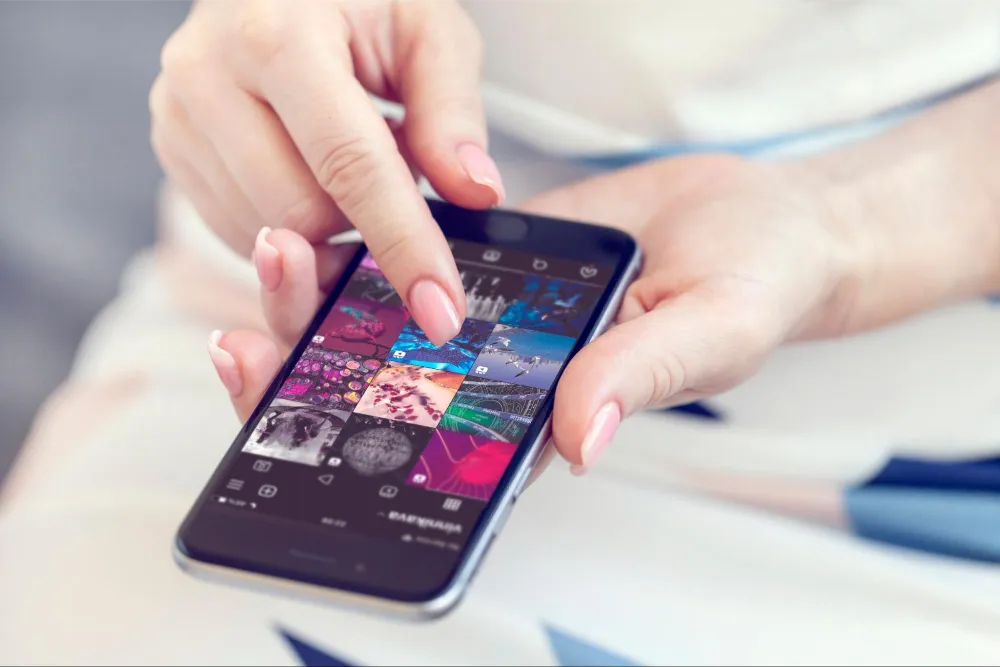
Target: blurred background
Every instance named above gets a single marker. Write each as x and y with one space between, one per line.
78 180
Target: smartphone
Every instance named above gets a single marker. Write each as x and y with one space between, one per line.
378 468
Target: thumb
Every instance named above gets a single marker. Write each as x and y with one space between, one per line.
439 56
688 347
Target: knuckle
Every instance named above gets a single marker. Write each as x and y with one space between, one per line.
164 110
399 249
261 31
180 60
347 170
668 377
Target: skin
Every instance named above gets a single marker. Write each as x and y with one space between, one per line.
742 256
261 116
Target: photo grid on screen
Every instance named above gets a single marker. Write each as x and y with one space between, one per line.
371 394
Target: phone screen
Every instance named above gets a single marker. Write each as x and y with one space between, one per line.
376 434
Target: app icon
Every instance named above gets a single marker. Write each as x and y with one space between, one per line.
482 370
334 461
452 504
319 339
388 491
399 354
539 264
261 466
268 491
419 479
491 255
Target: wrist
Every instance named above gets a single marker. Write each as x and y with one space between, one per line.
852 254
912 235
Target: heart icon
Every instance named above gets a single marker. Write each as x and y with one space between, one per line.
588 271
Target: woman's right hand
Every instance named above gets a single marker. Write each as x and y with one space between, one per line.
262 116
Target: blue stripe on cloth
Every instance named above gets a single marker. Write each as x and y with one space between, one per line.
961 524
995 299
571 651
698 409
309 655
771 144
972 475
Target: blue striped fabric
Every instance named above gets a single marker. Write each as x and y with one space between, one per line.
961 524
309 655
575 652
697 410
973 475
946 507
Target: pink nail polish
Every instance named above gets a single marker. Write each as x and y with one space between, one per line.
482 170
225 365
267 260
602 430
434 312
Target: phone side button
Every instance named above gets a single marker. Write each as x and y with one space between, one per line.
503 519
522 479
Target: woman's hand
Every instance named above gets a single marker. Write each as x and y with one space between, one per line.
739 258
262 116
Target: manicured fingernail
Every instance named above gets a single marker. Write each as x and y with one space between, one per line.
602 430
225 365
434 311
482 170
267 259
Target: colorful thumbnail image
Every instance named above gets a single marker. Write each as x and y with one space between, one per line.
520 356
369 283
457 355
488 293
296 433
555 306
410 394
372 447
492 410
362 327
462 465
329 379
